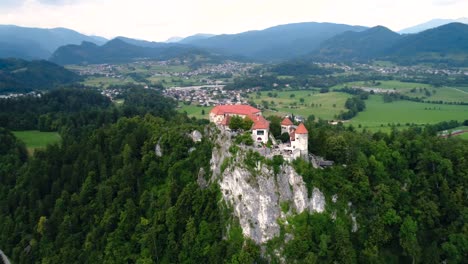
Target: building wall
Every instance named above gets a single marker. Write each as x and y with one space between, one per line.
263 138
285 129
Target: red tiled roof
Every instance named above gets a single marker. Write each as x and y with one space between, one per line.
287 122
301 129
259 122
234 109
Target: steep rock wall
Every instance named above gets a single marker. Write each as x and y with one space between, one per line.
256 196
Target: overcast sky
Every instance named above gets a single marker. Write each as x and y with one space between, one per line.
158 20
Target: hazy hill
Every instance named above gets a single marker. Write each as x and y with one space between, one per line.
195 37
118 50
18 75
144 43
447 44
38 43
362 45
432 24
275 43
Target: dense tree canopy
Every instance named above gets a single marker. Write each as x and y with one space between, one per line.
126 184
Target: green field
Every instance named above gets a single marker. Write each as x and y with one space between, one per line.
195 110
34 139
321 105
446 94
379 114
463 136
104 82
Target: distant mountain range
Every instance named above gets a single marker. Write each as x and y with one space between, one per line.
275 43
445 44
432 24
38 43
318 41
121 50
18 75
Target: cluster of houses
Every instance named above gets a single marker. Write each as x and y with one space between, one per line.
260 130
206 95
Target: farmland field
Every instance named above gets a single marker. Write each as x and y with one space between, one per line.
446 94
195 110
379 114
321 105
34 139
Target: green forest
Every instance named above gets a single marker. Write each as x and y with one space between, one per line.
121 187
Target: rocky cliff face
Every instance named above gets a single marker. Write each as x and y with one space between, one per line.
260 198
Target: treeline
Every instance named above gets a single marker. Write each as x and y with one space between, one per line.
79 107
19 76
271 81
354 105
404 189
390 97
296 68
104 195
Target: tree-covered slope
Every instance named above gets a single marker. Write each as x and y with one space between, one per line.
275 43
443 45
37 43
18 75
120 50
128 184
362 45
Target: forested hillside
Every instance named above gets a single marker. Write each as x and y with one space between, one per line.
128 184
19 76
121 50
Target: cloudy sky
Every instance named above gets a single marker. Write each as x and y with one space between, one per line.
158 20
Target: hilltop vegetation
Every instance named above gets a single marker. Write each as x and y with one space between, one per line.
23 76
118 51
443 45
37 43
104 195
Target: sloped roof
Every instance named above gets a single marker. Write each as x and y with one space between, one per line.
301 129
259 122
235 109
286 122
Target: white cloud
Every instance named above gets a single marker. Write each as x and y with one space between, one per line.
159 20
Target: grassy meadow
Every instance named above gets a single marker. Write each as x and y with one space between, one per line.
378 114
446 94
195 110
34 139
321 105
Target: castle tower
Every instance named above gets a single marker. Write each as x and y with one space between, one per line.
302 140
286 124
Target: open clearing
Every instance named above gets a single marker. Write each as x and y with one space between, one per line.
34 139
379 114
195 110
321 105
446 94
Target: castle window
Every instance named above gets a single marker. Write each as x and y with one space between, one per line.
260 132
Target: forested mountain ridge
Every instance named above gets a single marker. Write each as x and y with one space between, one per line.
38 43
120 50
350 45
446 44
275 43
128 184
432 24
18 75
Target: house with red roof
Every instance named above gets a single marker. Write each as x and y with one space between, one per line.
286 124
221 115
299 138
